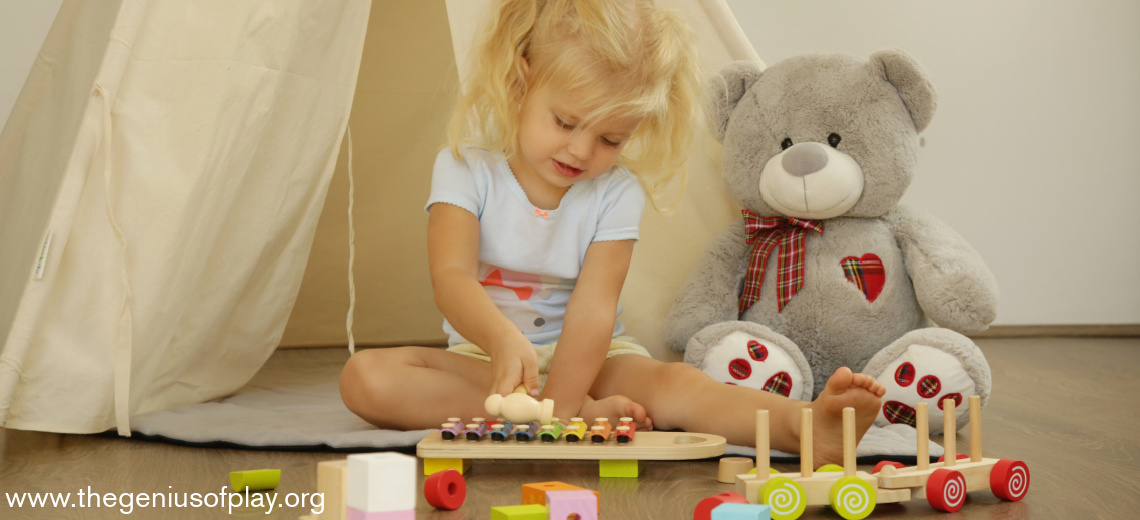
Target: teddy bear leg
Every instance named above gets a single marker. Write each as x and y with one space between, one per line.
751 355
929 365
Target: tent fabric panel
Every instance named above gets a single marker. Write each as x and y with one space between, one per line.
38 147
227 123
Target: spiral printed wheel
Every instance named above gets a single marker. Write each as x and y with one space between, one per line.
785 497
853 498
1009 480
946 490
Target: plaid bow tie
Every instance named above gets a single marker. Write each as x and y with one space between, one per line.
765 233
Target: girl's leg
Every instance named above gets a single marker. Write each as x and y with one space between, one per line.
679 396
410 388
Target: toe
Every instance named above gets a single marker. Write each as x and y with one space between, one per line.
840 380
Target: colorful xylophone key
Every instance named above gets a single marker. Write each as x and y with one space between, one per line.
451 429
576 431
625 430
601 430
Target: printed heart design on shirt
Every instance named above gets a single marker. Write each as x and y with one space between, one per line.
866 273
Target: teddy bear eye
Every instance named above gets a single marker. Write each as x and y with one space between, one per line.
787 143
833 140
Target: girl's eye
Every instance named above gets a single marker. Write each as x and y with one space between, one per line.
786 144
610 143
563 124
833 140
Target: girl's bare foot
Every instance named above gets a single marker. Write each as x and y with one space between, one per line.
614 408
844 389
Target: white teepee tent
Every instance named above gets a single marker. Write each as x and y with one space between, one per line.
162 179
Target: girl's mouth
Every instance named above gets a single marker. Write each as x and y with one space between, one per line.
566 170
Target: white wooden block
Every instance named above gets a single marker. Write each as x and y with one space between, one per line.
379 482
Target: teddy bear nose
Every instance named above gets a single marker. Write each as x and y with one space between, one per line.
804 159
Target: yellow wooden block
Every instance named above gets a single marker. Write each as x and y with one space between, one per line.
433 466
332 483
524 512
618 468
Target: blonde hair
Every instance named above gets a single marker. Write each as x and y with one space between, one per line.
627 58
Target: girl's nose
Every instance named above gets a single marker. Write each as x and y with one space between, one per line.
581 145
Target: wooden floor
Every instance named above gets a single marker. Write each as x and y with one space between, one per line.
1068 407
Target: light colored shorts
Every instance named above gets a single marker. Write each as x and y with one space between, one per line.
618 346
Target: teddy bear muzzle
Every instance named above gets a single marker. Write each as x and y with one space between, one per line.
810 180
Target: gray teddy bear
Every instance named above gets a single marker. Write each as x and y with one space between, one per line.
826 269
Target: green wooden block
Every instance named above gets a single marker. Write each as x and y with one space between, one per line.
255 480
527 512
618 468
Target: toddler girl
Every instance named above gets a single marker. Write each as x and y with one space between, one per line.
573 111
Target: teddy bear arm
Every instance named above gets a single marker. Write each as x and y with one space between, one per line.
711 292
951 281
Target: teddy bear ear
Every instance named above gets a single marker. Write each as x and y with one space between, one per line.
908 77
725 91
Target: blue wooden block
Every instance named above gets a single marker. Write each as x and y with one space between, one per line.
742 512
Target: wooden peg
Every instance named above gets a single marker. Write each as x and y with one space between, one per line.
849 442
922 429
975 428
763 457
949 430
806 456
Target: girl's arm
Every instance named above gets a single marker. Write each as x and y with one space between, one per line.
453 260
588 326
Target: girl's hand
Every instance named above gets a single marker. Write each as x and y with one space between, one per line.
513 363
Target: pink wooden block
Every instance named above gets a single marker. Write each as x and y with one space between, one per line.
581 502
356 514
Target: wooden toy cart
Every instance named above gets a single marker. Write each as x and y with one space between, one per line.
853 494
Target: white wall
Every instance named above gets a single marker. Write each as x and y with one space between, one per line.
1034 152
23 26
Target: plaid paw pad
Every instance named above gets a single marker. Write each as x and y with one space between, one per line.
929 386
899 413
904 375
955 396
780 383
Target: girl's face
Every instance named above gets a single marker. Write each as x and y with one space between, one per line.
555 149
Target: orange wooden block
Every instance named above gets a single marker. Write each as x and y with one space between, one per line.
535 492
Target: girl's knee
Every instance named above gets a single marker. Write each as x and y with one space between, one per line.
364 375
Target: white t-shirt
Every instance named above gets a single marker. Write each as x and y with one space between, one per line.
529 259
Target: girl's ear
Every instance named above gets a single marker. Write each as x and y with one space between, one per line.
525 66
726 90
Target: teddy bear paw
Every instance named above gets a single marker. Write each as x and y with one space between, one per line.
924 374
754 361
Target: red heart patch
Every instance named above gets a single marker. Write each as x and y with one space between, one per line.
866 273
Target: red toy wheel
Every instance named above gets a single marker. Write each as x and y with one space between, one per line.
445 490
946 490
959 457
1009 480
884 463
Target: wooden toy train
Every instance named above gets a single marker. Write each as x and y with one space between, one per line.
854 494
